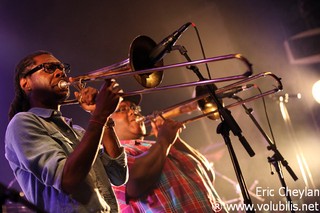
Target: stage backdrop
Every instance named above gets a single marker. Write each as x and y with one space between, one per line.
275 36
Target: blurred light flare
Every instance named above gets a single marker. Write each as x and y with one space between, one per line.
283 110
316 91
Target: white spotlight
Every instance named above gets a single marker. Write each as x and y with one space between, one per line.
316 91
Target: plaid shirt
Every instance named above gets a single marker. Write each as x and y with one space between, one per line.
183 186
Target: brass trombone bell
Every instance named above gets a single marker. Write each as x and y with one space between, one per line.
140 50
138 59
207 105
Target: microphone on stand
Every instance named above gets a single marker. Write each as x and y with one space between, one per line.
235 90
207 104
166 44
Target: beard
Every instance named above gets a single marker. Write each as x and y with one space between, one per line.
62 97
51 96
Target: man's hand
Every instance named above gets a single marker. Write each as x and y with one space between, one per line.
87 98
109 96
108 99
167 129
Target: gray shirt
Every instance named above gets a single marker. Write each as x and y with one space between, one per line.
37 144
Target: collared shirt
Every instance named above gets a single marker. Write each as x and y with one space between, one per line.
37 144
183 186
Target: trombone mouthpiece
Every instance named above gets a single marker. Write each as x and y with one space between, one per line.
140 119
63 84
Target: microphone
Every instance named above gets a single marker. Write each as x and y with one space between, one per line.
235 90
166 44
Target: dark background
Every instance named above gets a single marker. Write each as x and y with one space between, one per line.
93 34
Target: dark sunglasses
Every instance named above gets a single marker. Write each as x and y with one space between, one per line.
50 68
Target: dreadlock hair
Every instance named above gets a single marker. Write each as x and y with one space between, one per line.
21 102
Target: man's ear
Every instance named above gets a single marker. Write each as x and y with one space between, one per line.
25 84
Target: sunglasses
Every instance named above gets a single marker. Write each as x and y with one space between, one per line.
50 68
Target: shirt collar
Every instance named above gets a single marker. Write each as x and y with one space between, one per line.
47 113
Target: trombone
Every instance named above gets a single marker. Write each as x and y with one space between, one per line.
148 74
190 105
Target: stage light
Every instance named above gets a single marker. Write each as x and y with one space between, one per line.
316 91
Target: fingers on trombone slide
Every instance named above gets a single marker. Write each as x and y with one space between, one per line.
114 86
86 95
160 119
157 120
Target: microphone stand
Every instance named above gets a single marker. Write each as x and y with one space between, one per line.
228 123
14 196
276 157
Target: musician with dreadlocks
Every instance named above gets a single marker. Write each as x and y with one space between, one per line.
61 167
